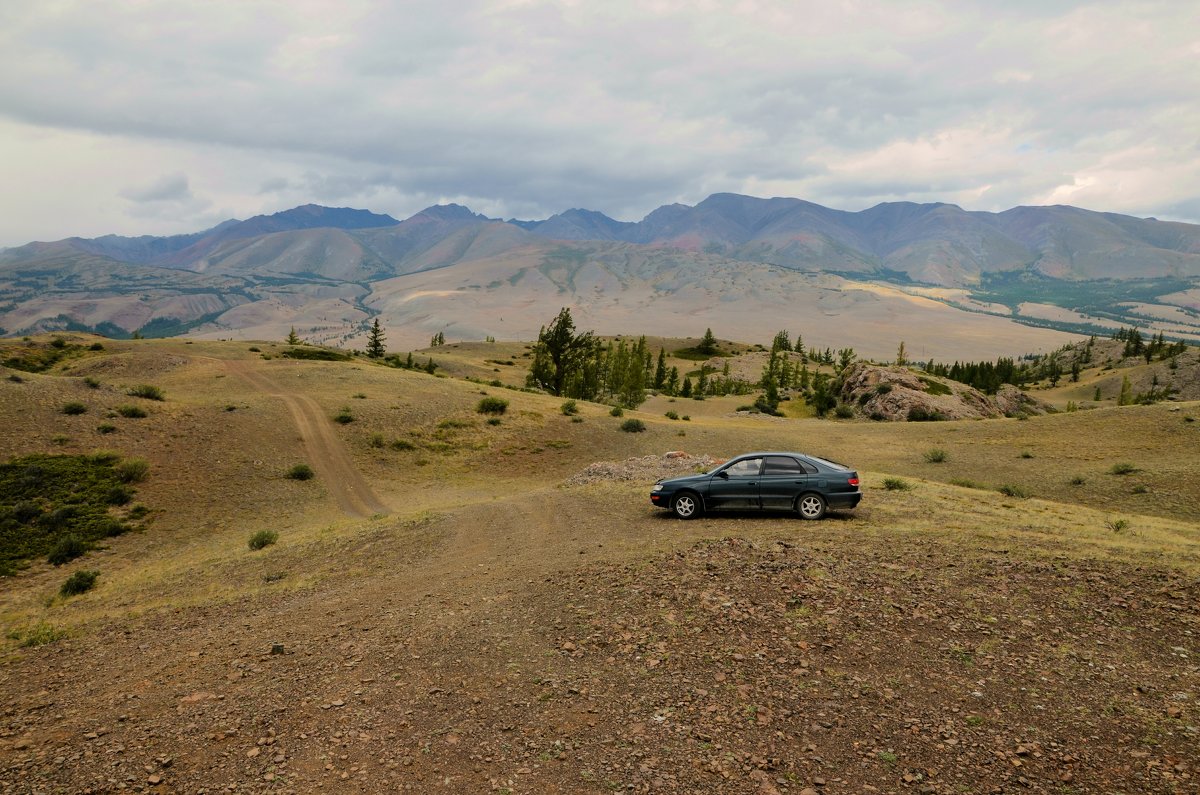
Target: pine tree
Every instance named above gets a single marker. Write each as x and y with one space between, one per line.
375 349
1126 396
901 356
708 345
292 339
660 371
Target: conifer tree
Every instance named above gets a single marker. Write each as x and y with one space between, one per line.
375 348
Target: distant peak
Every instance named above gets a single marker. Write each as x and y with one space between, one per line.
452 212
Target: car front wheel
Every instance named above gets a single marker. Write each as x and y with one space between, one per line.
810 506
685 506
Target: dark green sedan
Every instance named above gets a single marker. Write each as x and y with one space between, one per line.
762 482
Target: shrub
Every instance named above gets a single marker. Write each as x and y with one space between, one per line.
1026 454
133 470
147 391
671 415
95 346
106 427
344 417
493 421
376 440
569 408
1139 489
922 414
934 387
230 407
300 472
1117 525
935 456
882 389
16 379
103 457
577 419
79 582
968 484
632 425
132 412
118 495
91 383
1078 480
66 550
1009 490
1123 468
492 405
255 349
896 484
359 396
403 444
617 411
60 438
686 418
263 538
844 412
74 408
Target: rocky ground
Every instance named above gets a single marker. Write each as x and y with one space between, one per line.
760 662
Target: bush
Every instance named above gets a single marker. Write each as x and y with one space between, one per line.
1026 454
254 349
91 383
616 411
922 414
74 408
569 408
263 538
103 457
844 412
493 420
119 495
1009 490
968 484
577 419
1117 525
1124 468
133 470
671 415
300 472
492 405
377 441
106 427
132 412
882 389
896 484
633 426
935 456
403 444
344 417
66 550
95 346
1078 480
147 391
40 634
79 582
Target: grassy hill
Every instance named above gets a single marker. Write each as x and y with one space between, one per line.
440 611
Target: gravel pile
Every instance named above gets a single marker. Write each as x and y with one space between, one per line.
646 468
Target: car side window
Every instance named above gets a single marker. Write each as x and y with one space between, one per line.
745 469
781 465
808 468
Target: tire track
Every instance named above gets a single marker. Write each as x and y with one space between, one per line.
324 450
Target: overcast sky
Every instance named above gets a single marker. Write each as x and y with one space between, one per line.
137 116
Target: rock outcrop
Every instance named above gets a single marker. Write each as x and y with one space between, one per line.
899 394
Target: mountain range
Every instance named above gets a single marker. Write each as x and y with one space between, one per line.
328 270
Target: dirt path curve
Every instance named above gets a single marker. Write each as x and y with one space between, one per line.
324 450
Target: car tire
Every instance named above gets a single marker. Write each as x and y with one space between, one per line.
810 506
686 505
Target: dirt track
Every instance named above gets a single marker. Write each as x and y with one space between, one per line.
325 451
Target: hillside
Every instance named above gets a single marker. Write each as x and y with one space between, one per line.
441 611
1009 281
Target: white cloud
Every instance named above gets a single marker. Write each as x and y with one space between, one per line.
528 108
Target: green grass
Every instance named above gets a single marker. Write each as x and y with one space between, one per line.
934 387
45 501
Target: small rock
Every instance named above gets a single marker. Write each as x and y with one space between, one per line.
154 780
253 752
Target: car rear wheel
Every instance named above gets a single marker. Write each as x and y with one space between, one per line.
810 506
685 506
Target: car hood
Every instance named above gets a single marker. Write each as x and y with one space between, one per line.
683 480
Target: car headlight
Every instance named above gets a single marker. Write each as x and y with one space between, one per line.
657 487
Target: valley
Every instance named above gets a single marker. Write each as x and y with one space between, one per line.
443 611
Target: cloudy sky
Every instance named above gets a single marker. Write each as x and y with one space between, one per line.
140 116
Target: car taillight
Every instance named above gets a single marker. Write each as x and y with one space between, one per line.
853 481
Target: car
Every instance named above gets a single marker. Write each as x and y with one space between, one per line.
796 482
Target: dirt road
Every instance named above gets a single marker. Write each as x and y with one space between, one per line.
324 450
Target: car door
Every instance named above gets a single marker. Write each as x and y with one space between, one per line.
735 488
782 480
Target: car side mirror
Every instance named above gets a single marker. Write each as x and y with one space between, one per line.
723 475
